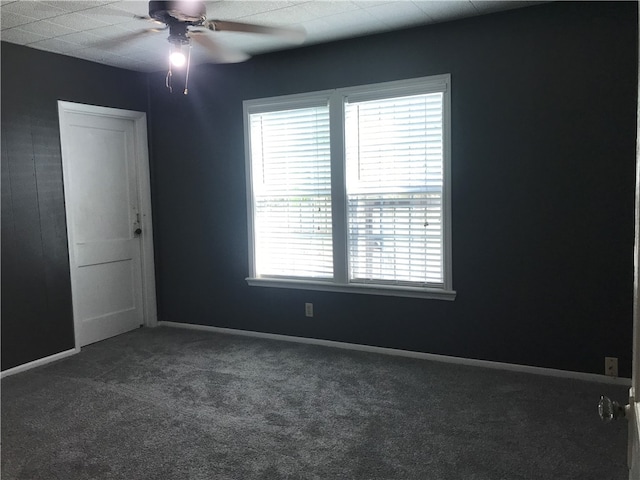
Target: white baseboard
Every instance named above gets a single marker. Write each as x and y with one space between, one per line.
39 362
550 372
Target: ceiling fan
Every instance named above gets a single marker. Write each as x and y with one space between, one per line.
187 21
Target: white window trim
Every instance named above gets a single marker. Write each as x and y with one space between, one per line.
336 99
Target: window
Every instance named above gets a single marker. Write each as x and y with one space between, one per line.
348 189
292 192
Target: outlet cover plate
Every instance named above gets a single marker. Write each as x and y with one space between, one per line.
611 366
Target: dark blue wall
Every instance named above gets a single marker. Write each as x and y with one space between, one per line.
37 318
543 154
543 107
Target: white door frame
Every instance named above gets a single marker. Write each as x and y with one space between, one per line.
139 119
633 410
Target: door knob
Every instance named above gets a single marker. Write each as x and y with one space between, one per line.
137 231
610 410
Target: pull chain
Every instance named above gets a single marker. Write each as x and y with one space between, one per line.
186 80
167 80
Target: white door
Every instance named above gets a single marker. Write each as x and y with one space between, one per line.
105 168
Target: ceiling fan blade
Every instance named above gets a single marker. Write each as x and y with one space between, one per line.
217 52
294 35
122 39
152 20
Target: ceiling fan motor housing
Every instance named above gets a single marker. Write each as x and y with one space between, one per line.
172 12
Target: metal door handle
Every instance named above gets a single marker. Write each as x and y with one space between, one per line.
610 410
137 231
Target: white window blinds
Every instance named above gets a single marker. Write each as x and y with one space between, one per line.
394 164
349 189
291 176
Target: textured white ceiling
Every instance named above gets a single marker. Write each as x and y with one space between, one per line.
90 29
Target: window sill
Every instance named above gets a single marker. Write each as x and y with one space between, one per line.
388 290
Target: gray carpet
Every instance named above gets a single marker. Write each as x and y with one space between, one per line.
169 403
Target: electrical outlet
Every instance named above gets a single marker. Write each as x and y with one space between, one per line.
308 309
611 366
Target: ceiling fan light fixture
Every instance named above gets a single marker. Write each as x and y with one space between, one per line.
184 18
177 58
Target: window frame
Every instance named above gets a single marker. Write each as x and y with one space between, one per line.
336 99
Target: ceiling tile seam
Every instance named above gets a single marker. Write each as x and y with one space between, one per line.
64 13
58 36
44 37
475 8
426 14
12 15
27 34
